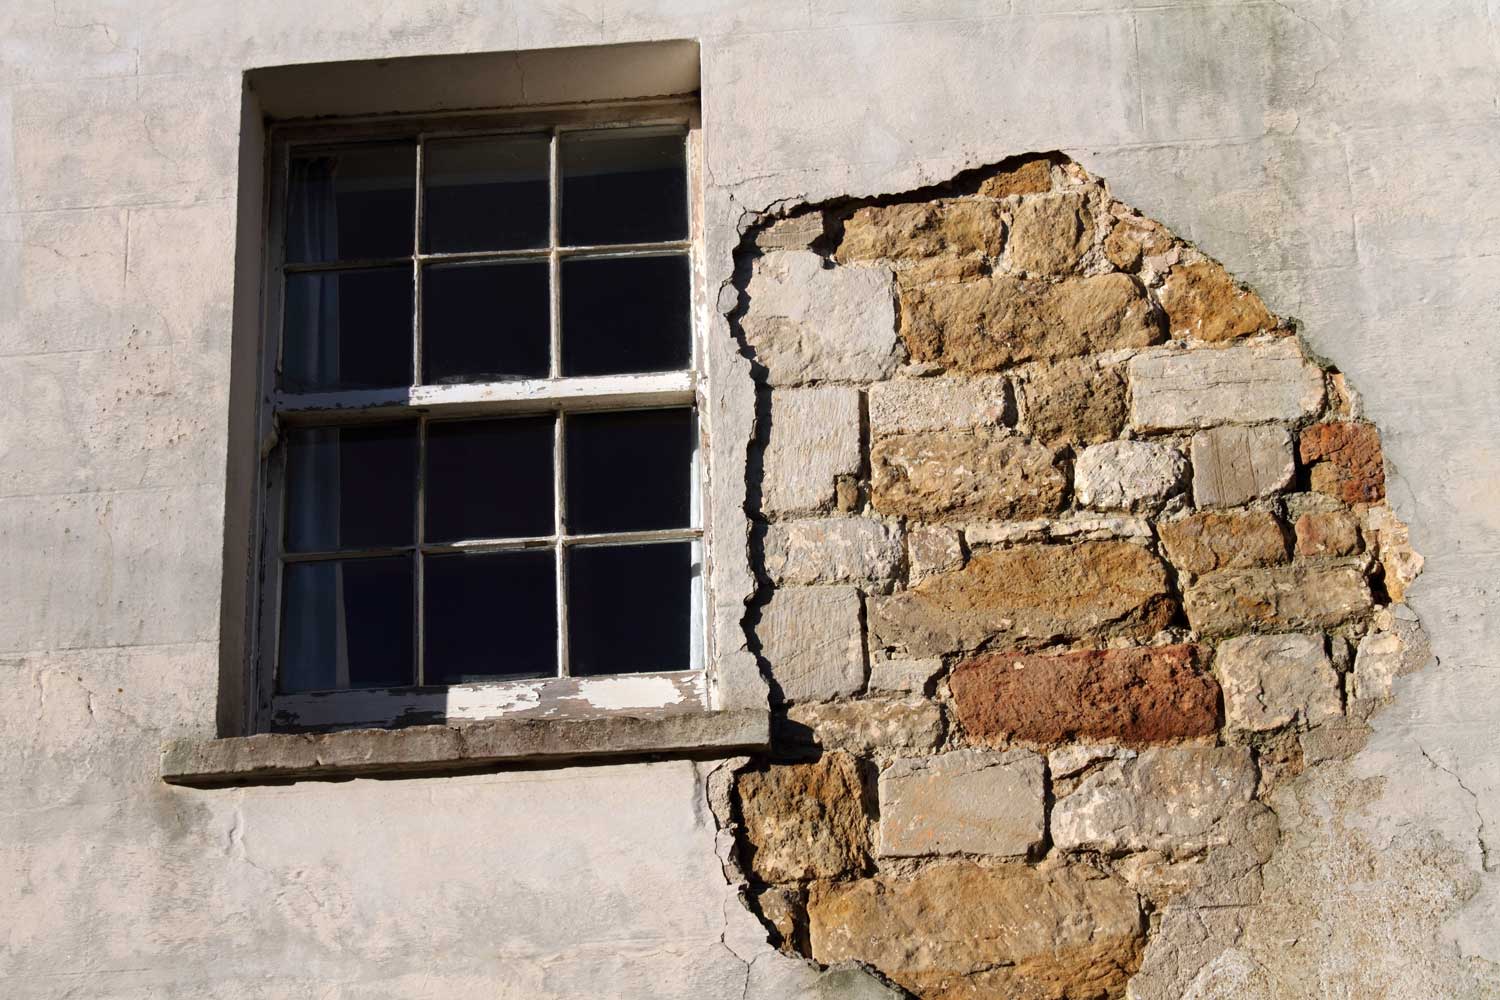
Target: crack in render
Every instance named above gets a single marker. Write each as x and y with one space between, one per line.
1479 834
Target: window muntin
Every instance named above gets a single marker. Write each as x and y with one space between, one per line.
543 348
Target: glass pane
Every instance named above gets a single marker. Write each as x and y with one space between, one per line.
347 623
347 330
489 479
622 315
486 194
490 615
623 186
350 487
485 322
630 607
351 203
629 471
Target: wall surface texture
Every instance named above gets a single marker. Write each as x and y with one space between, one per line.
1339 157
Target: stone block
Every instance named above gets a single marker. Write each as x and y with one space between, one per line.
1133 239
901 674
1177 800
1065 762
814 439
963 930
958 475
1075 402
1272 681
1234 465
1029 177
1121 695
963 802
1298 596
805 820
796 232
992 323
1250 383
932 548
960 227
1036 593
833 550
807 322
1050 235
812 641
1391 540
911 724
1344 461
906 406
1084 526
1203 302
1128 475
1327 533
1397 647
1214 540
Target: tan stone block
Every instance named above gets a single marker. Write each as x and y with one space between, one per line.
1327 533
1249 383
1301 595
832 550
1345 461
1216 540
1075 401
1399 646
963 802
1030 177
1133 239
911 724
1049 235
1272 681
1203 302
805 820
952 475
1234 465
932 548
1128 475
796 232
908 405
922 229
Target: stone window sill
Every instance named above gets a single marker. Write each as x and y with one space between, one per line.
469 746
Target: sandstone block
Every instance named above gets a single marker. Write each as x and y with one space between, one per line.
1250 383
1272 681
833 550
1064 762
1398 647
1204 303
805 820
1122 695
1298 596
901 674
923 229
1234 465
1392 542
1077 527
812 641
1034 593
1128 475
932 548
1049 235
1030 177
960 930
1213 540
807 322
1345 461
1073 402
906 406
963 802
992 323
1177 800
1133 239
814 439
909 724
949 475
1327 533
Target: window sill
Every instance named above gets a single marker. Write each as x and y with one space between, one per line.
471 746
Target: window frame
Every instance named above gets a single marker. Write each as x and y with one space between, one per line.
559 696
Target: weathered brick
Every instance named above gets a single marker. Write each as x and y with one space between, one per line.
805 820
1249 383
906 406
1233 465
910 724
1049 235
1345 461
1327 533
992 323
923 229
963 802
1272 681
1122 695
1029 177
1203 302
1128 475
832 550
811 639
1301 595
1032 593
949 475
814 439
1075 402
1216 540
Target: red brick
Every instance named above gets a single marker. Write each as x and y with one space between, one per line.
1344 461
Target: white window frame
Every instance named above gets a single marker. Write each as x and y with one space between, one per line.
562 696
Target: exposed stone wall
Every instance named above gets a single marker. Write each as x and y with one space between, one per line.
1071 556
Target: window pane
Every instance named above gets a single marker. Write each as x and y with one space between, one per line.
490 615
629 608
485 322
486 194
347 623
352 203
347 330
351 487
629 471
622 315
623 186
489 479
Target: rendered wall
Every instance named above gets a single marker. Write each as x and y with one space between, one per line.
1339 157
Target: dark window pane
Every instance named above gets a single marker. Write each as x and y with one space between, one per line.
347 330
629 471
352 203
629 608
623 186
486 194
350 487
347 623
489 479
485 322
622 315
490 615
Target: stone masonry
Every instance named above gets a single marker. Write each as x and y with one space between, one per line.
1068 550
